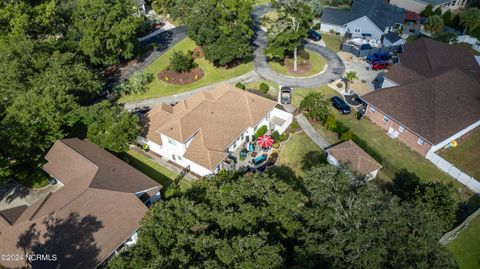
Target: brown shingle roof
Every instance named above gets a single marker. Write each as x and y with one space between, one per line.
99 191
213 119
351 154
439 92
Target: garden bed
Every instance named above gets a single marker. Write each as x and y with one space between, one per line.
182 78
309 63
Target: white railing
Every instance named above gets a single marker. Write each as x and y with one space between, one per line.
469 181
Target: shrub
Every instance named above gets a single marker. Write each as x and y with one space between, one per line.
340 127
316 106
347 135
339 85
264 87
331 122
276 145
294 127
182 62
276 136
261 131
240 85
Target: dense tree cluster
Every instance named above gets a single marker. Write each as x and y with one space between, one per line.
48 84
327 220
222 27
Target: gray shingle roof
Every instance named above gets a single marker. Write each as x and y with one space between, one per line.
392 37
378 11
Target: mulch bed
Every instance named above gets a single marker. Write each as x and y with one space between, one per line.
303 65
198 53
173 77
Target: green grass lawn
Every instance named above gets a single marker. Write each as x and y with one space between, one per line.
152 169
300 93
466 247
333 42
256 85
316 60
292 152
160 88
395 152
466 156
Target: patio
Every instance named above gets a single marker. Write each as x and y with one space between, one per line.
243 157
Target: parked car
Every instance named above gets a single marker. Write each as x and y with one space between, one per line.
380 65
314 35
141 110
379 57
286 95
341 105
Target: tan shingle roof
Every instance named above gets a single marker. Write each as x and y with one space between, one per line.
99 189
351 154
214 119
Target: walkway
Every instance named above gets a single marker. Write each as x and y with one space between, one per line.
335 66
171 99
311 132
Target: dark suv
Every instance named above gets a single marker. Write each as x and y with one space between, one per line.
314 35
339 104
286 95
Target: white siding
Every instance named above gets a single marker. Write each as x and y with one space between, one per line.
287 117
366 26
331 160
325 27
388 83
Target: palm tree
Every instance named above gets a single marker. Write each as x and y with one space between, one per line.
434 24
470 18
350 77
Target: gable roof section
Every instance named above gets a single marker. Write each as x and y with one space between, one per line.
392 37
351 154
212 119
96 186
378 11
434 108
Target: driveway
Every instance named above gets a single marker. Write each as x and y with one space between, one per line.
368 79
335 67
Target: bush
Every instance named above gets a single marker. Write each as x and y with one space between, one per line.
261 131
340 127
347 135
264 87
276 145
331 122
240 85
339 85
276 136
294 127
182 62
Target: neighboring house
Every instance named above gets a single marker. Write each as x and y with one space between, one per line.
392 39
419 5
350 154
430 98
199 132
96 211
366 18
469 40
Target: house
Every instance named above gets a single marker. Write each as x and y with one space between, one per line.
419 5
366 18
96 210
430 98
392 39
350 154
199 132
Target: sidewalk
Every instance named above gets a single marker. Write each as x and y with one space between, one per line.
311 132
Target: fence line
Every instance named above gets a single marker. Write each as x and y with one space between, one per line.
454 232
447 167
367 52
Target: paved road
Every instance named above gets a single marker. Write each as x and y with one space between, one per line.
335 66
171 99
311 132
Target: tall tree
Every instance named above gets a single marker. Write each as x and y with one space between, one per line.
470 19
289 28
106 30
110 127
428 11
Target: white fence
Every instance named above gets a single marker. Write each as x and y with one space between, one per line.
469 181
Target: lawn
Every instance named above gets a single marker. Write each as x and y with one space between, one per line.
397 154
256 85
333 42
300 93
317 65
466 247
466 156
293 152
160 88
150 168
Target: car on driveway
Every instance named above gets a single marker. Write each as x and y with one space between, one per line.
286 95
314 35
379 57
380 65
341 105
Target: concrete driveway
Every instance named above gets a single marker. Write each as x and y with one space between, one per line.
372 78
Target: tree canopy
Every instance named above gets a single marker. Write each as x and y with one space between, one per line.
329 220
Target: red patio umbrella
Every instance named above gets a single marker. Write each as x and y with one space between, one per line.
265 141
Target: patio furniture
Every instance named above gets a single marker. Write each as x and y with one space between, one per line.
258 160
265 141
251 147
243 153
254 154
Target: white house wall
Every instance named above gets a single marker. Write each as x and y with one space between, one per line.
366 26
325 27
287 117
177 147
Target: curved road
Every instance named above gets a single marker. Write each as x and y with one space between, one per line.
335 67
